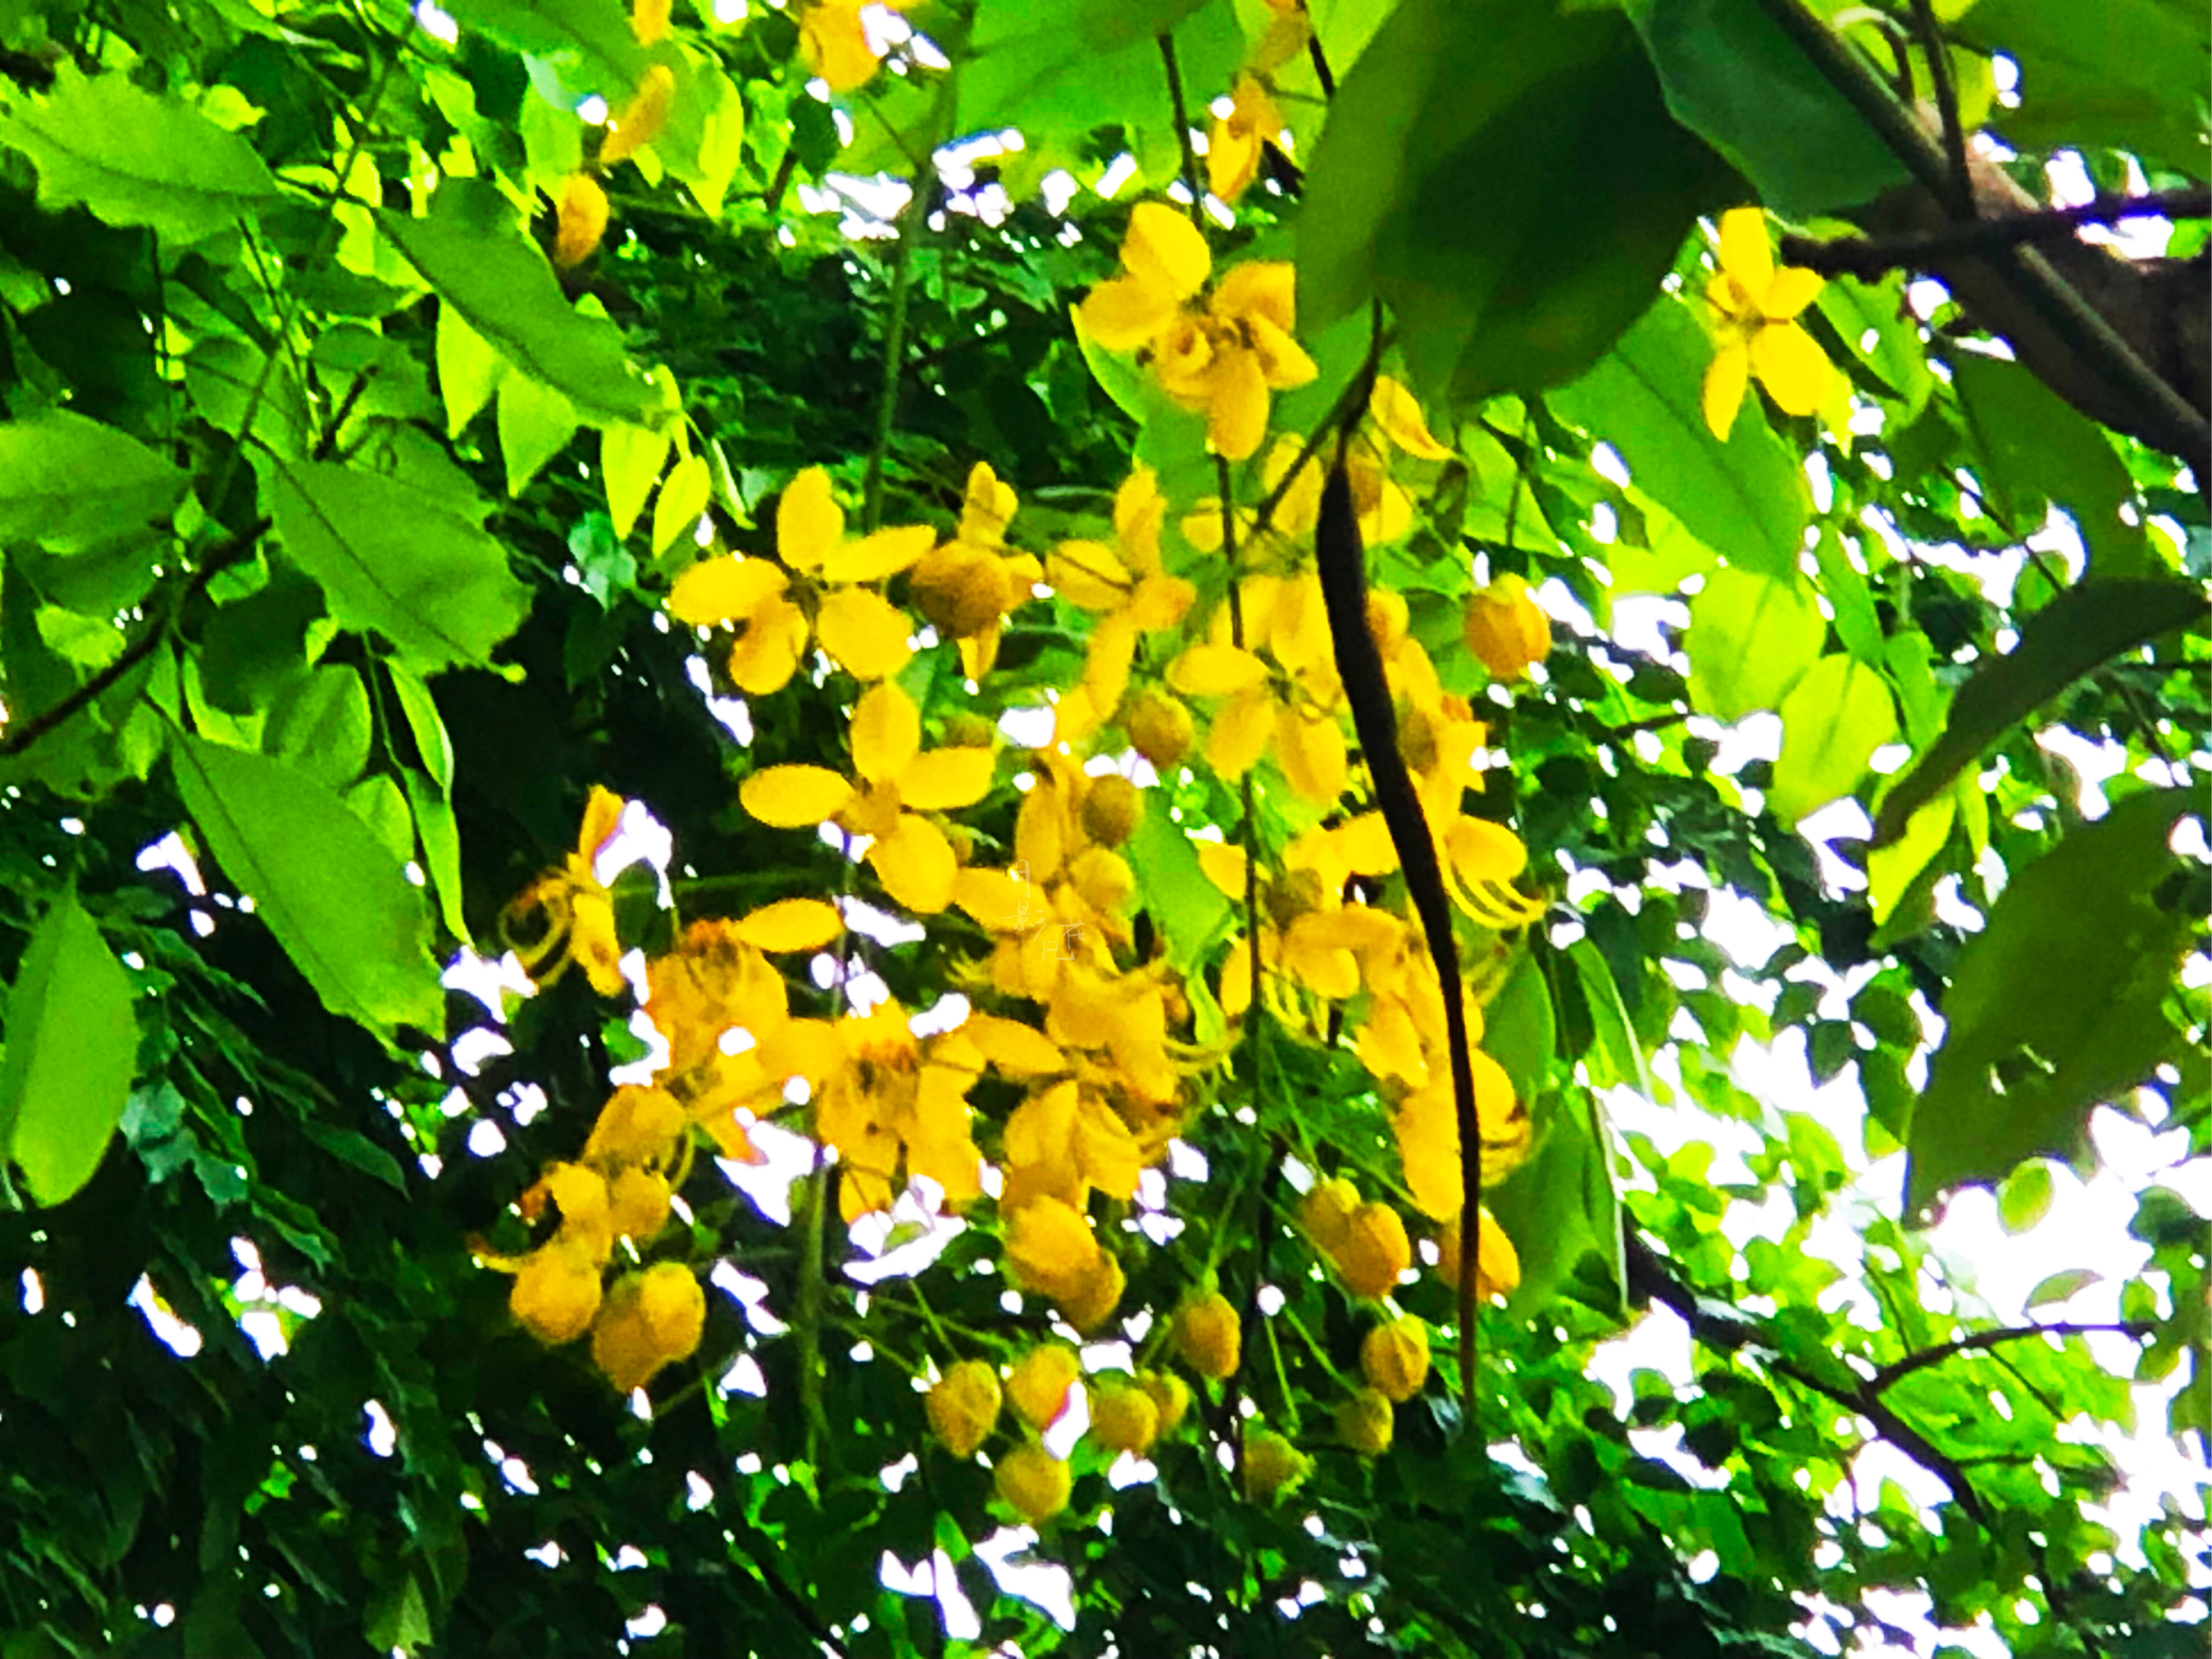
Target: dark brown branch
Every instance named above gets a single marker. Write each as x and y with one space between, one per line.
1897 1369
1867 257
1320 61
1959 201
1651 1279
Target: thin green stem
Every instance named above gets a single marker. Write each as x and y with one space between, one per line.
872 510
1182 130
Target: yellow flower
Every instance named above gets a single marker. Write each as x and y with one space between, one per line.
820 577
1039 1386
1427 1124
649 1320
1034 1483
1394 1357
964 1407
884 1097
580 218
642 119
1126 588
638 1207
574 912
968 586
895 782
1222 357
1376 1251
1366 1423
1290 709
1272 1466
1233 144
1125 1419
1050 1247
1507 629
835 43
1288 30
1399 415
555 1293
1209 1336
1496 1263
1757 306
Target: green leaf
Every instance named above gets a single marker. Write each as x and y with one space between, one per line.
1615 1056
72 1051
1879 326
1891 867
334 897
683 497
2133 78
398 561
441 847
1832 721
2030 446
590 41
1845 589
220 374
1733 76
425 724
535 424
322 726
70 483
630 459
471 252
1519 1029
2025 1197
351 1147
1438 183
2057 1004
379 802
1189 911
1751 639
1747 499
469 370
135 158
2062 1287
1562 1207
1667 556
2073 635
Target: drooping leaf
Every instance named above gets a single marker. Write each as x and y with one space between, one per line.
683 497
2083 627
1751 639
1563 1206
440 836
1745 498
1520 1030
535 424
72 1051
1832 721
1615 1056
2030 446
321 723
630 459
2059 1003
135 157
333 895
397 561
68 482
469 370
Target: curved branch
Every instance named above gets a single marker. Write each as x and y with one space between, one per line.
1897 1369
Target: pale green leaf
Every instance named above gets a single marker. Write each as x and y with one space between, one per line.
684 498
377 802
469 370
321 723
441 847
72 1051
1832 721
535 424
1751 638
630 459
2025 1198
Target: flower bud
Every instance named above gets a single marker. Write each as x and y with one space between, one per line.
1366 1423
1050 1247
1394 1357
1103 878
580 220
1272 1466
1496 1263
1034 1483
1038 1388
1160 729
964 1407
1111 806
1375 1251
1170 1394
1124 1418
1094 1297
639 1205
1209 1337
556 1293
674 1307
1326 1214
1506 628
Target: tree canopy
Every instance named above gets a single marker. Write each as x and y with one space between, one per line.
1033 826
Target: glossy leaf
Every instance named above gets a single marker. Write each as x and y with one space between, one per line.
1833 720
71 1054
1751 639
69 483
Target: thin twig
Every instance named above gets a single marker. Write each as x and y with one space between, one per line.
1867 257
1960 199
1182 130
1897 1369
872 494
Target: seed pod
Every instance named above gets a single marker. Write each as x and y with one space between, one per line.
964 1407
1394 1357
1034 1483
1366 1423
1039 1386
1209 1338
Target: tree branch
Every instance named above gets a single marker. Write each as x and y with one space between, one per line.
1867 256
1897 1369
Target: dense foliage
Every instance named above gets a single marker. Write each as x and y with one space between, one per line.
783 781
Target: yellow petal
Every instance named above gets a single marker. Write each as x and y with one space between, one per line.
1106 664
764 659
993 897
1223 863
1283 361
1364 845
1240 732
1483 851
916 864
1725 379
1124 313
791 797
1087 573
603 811
1262 288
1216 670
1232 158
1164 248
864 632
1236 413
884 554
1793 289
716 591
808 520
1039 836
1139 510
1744 253
1013 1048
795 924
835 46
1160 602
1399 416
1311 753
943 780
886 732
1791 365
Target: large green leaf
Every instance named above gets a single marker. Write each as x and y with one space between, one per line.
470 250
1615 1056
1563 1207
1733 76
2130 74
2082 628
1441 182
69 483
1833 720
136 158
395 560
2057 1004
1751 639
72 1051
1746 498
334 896
1190 911
2030 446
590 41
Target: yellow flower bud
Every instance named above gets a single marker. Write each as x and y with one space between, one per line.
1496 1263
1160 729
964 1407
1170 1394
1050 1247
1272 1466
640 1206
1394 1357
1034 1483
1375 1251
1209 1337
581 1196
1125 1417
641 119
1326 1214
556 1293
580 219
1103 878
1111 806
961 590
1039 1385
674 1307
1096 1295
638 1125
648 1320
1366 1423
1506 628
